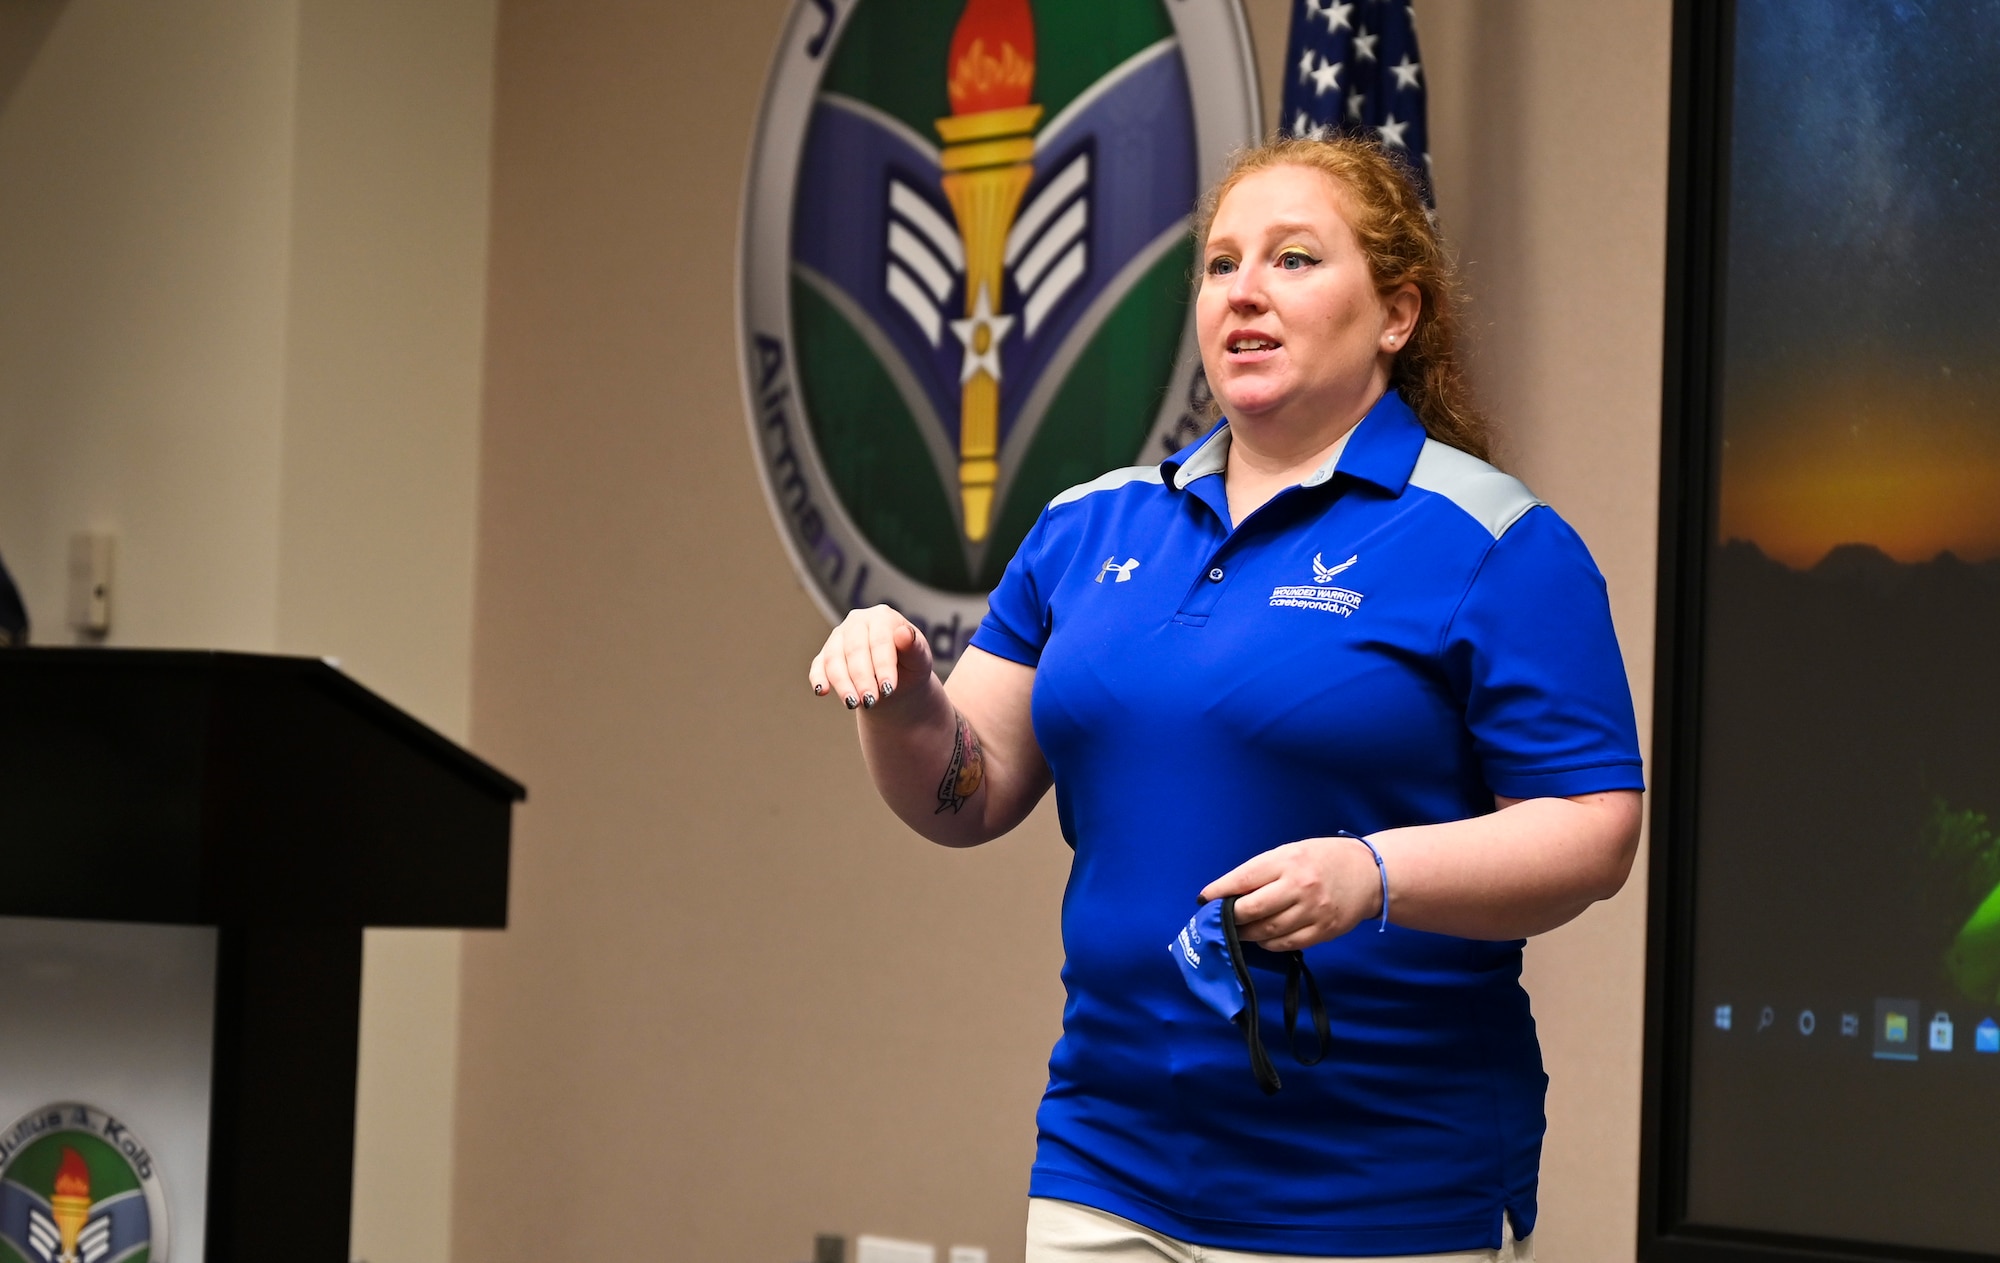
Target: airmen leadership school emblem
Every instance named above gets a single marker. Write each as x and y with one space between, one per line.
965 275
77 1186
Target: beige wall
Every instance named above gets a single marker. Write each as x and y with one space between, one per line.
242 263
1551 161
384 328
737 1002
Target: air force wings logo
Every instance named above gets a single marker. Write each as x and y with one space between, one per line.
965 273
1323 573
76 1186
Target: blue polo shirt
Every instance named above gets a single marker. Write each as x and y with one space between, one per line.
1394 641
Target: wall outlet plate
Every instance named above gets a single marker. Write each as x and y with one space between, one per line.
968 1254
890 1250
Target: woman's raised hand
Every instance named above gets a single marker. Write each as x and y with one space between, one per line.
869 655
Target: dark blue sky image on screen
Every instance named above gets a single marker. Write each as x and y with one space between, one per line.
1863 285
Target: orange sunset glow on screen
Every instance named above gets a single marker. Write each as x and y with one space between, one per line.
1912 468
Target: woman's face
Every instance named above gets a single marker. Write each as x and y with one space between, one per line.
1291 325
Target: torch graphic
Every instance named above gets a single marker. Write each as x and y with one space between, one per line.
69 1206
989 147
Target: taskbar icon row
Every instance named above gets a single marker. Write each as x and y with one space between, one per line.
1898 1032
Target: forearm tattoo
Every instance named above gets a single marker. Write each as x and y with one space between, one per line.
965 773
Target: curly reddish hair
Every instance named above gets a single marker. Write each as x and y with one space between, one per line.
1401 243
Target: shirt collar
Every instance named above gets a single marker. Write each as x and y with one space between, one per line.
1207 455
1381 448
1384 446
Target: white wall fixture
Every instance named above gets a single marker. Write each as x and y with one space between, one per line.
968 1254
90 557
889 1250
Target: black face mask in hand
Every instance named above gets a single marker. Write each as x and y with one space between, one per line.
13 615
1215 963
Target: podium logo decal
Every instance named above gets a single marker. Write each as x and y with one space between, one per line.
76 1186
965 274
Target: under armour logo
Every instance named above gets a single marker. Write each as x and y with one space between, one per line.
1123 572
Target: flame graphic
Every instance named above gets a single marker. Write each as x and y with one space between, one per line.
988 159
70 1206
73 1177
992 56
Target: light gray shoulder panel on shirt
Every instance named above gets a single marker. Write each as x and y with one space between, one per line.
1493 499
1109 482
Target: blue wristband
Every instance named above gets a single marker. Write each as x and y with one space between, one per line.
1381 869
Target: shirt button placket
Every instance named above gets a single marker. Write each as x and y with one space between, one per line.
1202 596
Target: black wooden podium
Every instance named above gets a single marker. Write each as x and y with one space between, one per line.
283 803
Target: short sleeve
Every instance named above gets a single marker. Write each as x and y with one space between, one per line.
1017 621
1532 652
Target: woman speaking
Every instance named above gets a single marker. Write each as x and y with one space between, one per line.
1326 661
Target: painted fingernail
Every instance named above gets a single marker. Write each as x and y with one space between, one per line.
886 690
819 690
852 702
868 701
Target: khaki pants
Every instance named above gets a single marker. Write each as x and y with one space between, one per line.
1064 1232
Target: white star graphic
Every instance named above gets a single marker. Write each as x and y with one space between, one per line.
1338 16
1406 72
1392 132
1301 125
1306 65
1364 45
982 321
1327 77
1354 100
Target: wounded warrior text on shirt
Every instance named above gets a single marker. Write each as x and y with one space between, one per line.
1339 601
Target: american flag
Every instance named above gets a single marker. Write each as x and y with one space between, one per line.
1351 67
